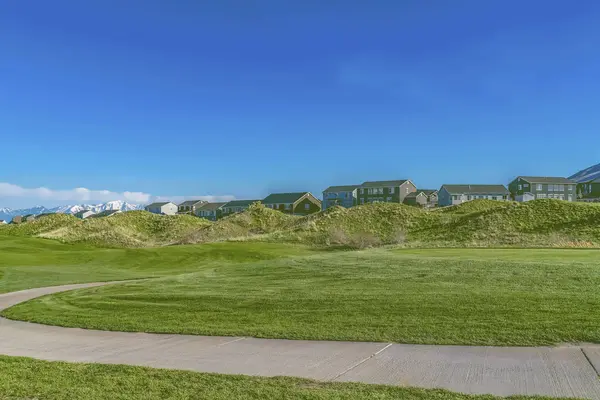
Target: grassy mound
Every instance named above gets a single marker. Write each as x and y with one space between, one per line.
541 222
129 229
476 223
256 220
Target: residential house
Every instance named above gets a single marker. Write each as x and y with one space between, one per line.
236 206
3 222
449 195
17 219
526 188
84 214
210 211
105 213
385 191
345 196
423 198
190 206
588 184
163 208
299 203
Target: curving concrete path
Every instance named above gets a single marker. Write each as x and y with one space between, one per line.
570 371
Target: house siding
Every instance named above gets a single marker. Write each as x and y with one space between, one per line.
343 198
301 207
588 191
449 199
519 188
385 194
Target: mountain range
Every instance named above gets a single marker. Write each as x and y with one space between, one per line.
7 213
587 175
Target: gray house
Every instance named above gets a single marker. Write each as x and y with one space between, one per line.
345 196
84 214
190 206
163 208
526 188
449 195
105 213
423 198
385 191
210 211
236 206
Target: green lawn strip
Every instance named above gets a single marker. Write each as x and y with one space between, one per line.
24 378
467 297
30 262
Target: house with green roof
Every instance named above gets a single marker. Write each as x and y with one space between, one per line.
297 203
449 195
385 191
344 195
236 206
527 188
422 198
190 206
210 211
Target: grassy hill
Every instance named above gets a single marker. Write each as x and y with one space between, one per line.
129 229
477 223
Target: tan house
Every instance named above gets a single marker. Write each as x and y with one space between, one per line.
426 198
190 206
299 203
163 208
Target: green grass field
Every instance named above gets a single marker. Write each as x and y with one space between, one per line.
30 262
24 378
435 296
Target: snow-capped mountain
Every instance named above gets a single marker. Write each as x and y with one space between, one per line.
588 174
8 213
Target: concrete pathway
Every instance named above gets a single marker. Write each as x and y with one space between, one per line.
552 371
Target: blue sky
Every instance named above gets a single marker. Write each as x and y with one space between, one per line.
240 98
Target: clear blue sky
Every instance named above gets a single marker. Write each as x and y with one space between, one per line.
246 97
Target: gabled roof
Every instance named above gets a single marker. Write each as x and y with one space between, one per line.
343 188
240 203
546 179
383 183
158 204
211 206
476 189
191 203
284 197
426 192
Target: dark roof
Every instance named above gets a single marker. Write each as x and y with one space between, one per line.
211 206
546 179
158 204
240 203
191 202
343 188
283 197
383 183
476 189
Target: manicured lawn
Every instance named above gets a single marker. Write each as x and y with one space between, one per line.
29 262
440 296
24 378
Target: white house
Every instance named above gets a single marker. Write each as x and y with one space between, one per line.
163 208
84 214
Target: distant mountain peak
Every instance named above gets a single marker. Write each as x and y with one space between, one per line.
8 213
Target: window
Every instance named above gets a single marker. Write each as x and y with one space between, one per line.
288 206
362 201
570 197
520 187
570 188
469 197
307 206
407 190
389 199
526 185
539 187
